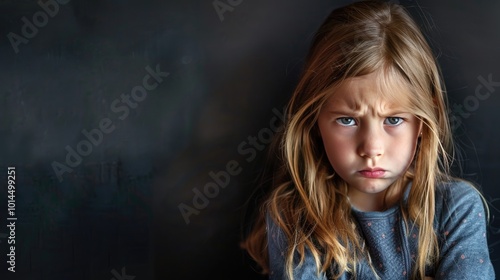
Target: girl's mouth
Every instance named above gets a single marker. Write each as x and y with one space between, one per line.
372 172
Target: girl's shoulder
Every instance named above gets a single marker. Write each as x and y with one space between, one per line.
456 188
458 198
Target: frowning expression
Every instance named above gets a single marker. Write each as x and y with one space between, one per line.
369 138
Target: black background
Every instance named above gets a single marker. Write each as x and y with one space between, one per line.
118 208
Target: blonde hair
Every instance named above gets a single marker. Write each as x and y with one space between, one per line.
307 201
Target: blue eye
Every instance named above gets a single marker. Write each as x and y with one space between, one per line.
393 120
346 121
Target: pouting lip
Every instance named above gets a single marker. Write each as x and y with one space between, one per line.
372 169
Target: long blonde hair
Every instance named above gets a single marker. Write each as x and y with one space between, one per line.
307 202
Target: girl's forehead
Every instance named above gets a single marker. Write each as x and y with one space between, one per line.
376 89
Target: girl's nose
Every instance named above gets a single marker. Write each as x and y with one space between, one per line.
371 143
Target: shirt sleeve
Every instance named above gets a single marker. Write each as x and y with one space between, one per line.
462 234
277 248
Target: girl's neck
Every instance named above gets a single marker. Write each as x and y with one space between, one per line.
379 201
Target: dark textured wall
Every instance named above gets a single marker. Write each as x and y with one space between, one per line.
216 88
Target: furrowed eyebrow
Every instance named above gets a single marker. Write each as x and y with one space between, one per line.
344 113
357 113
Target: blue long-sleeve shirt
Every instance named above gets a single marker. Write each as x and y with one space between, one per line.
459 223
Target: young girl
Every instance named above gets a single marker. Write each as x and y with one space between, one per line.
361 189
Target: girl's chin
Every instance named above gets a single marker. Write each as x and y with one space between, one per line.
370 186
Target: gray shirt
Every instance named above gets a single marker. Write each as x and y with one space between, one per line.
460 225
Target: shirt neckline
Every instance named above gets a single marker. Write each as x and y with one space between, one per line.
381 214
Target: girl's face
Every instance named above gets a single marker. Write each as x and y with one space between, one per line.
370 141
